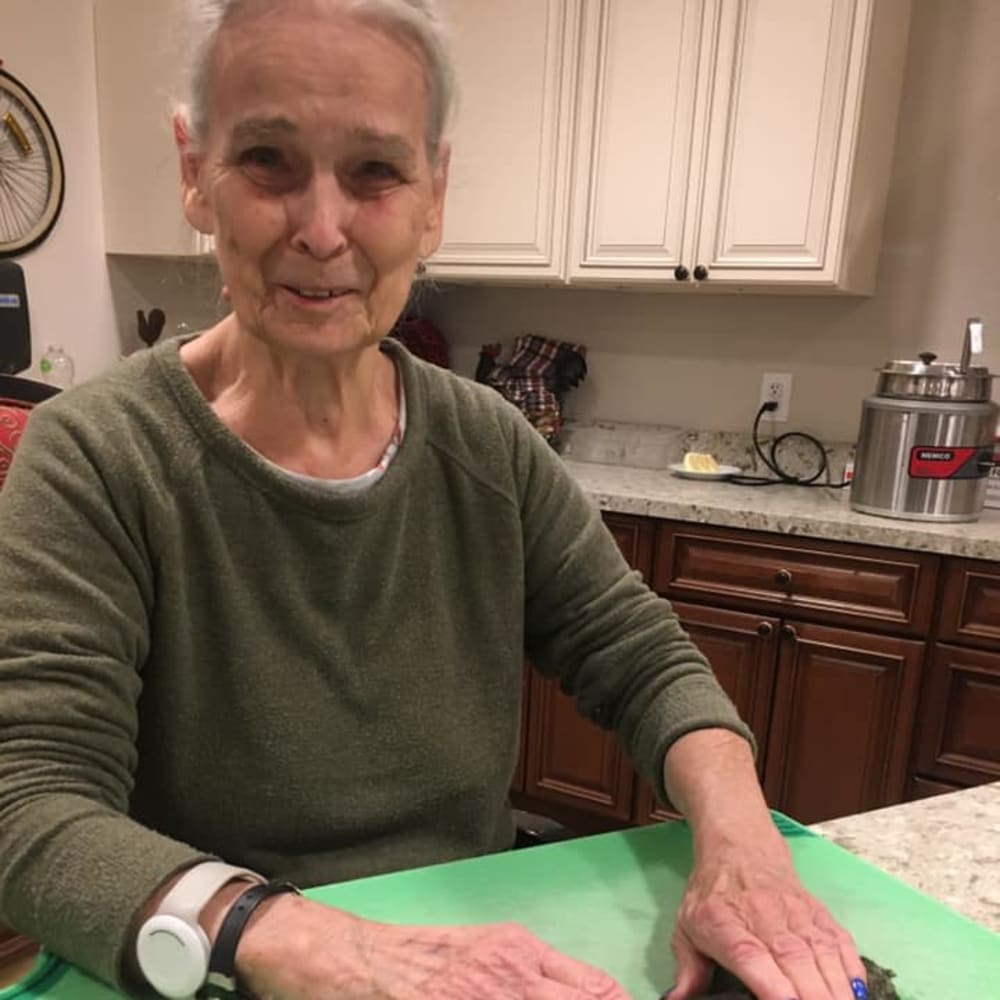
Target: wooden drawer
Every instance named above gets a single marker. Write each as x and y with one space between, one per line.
970 607
960 723
890 589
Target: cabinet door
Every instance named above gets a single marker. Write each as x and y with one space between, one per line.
843 720
800 141
742 650
505 215
517 781
636 136
926 788
634 536
959 737
748 142
139 71
570 760
774 148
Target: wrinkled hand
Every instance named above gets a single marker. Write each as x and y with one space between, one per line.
747 910
305 951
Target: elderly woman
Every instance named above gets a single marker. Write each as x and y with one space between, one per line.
267 590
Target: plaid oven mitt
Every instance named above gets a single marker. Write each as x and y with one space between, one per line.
536 378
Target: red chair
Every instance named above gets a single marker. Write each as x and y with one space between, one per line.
17 398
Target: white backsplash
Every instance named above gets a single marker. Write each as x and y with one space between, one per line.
651 446
188 291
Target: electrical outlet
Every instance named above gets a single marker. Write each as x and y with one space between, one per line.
776 387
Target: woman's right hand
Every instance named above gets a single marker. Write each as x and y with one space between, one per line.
297 949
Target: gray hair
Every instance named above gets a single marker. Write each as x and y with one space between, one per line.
415 21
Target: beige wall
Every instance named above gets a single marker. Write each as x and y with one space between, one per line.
697 358
48 46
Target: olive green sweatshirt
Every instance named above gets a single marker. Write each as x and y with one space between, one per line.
202 657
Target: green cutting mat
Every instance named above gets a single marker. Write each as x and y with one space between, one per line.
610 900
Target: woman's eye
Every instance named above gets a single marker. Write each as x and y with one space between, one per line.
378 171
264 157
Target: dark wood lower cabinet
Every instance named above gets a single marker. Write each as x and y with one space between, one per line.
960 723
572 769
844 713
517 782
16 955
742 650
634 536
926 788
829 679
570 760
648 810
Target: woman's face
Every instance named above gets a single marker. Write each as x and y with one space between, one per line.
315 177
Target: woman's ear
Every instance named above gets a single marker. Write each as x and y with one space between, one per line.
434 225
196 208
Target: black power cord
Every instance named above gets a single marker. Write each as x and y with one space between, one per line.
772 462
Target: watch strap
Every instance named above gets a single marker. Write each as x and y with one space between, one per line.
221 982
197 886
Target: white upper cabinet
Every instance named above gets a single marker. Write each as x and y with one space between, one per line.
637 128
784 138
676 144
735 142
505 214
140 46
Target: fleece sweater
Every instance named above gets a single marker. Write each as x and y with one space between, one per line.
202 657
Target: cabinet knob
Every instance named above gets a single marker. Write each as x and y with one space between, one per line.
788 632
765 629
783 578
700 272
681 273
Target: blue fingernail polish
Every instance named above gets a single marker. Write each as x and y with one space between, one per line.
860 990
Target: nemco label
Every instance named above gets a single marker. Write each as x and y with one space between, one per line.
950 463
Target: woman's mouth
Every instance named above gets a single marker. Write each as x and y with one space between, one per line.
315 296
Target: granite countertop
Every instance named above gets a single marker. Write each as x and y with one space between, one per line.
793 510
947 847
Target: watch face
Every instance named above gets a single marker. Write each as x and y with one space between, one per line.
173 955
32 180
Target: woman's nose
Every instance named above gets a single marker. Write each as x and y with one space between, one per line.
320 216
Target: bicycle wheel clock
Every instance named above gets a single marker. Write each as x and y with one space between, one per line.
32 178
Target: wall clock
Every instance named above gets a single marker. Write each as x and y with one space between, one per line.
32 179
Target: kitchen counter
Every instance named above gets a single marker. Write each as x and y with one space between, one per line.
793 510
947 847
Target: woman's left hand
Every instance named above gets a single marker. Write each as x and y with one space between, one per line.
745 909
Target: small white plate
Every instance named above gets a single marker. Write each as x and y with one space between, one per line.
725 471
